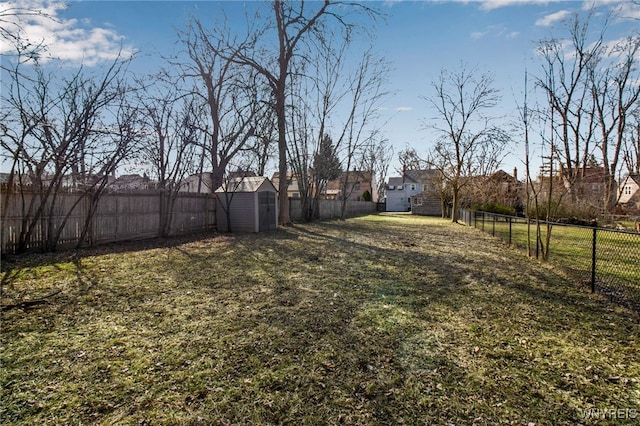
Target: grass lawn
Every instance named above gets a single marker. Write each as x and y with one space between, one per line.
617 254
376 320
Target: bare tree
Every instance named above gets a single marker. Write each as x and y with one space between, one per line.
565 83
301 146
367 89
295 23
262 149
631 156
119 136
13 18
376 158
230 93
59 135
233 182
615 90
409 159
171 125
317 86
469 143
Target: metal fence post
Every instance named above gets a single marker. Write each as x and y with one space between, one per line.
493 230
593 257
537 239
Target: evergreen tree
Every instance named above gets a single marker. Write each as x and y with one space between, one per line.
326 164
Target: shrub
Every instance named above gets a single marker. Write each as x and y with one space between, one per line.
366 196
496 208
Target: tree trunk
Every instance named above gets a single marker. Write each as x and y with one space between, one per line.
284 217
454 207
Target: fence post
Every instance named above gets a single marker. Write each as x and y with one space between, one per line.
537 239
593 256
509 218
493 229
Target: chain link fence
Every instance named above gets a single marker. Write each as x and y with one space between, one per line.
604 260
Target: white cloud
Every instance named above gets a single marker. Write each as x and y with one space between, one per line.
390 3
552 18
73 41
495 31
628 10
496 4
404 109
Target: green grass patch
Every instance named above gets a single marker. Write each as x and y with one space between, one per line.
380 319
617 253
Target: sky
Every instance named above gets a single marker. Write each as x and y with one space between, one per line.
418 38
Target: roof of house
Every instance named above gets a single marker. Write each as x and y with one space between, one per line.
635 178
246 184
425 195
419 176
414 176
131 178
501 175
394 181
354 176
241 174
291 181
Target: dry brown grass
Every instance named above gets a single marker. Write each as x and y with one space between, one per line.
376 320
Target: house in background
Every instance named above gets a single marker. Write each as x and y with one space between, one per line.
357 183
293 189
200 183
498 188
426 204
133 182
248 203
590 187
582 189
4 181
629 193
352 186
400 190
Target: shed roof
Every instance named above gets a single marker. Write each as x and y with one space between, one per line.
246 184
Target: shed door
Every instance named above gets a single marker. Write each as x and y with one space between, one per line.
267 210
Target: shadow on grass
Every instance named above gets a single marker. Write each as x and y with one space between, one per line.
33 259
324 323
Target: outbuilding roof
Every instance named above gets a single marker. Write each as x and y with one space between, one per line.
246 184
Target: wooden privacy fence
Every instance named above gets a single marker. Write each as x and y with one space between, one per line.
118 217
331 208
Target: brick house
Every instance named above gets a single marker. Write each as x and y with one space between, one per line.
357 183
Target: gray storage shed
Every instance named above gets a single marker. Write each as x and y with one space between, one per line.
251 202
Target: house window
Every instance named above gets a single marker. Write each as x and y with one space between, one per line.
392 187
627 190
413 186
400 187
417 201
